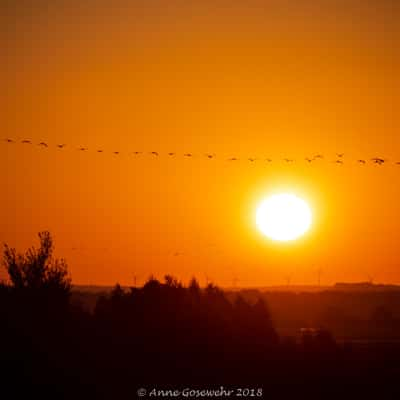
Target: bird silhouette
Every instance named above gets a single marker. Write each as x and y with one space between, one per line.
378 160
339 160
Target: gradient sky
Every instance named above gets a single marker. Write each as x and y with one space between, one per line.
236 78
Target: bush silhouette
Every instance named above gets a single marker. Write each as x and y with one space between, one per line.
37 269
162 333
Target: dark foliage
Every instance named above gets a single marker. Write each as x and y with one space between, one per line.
37 270
164 334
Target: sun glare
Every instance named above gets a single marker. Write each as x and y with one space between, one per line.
283 217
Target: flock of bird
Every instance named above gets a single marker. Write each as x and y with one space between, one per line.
339 159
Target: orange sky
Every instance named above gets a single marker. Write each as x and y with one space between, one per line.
254 78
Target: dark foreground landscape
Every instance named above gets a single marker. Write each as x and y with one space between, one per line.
62 343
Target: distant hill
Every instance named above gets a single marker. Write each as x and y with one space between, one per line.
339 286
93 288
365 286
284 288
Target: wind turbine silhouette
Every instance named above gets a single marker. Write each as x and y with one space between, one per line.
208 280
319 273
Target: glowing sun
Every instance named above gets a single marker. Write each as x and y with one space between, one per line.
283 217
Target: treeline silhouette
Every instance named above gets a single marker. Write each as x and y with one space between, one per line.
164 333
352 314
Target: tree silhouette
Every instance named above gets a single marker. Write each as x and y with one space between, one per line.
37 269
169 332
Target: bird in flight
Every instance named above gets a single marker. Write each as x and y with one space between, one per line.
309 159
210 155
233 159
398 163
26 141
82 149
116 152
288 160
99 151
9 140
361 161
320 156
60 146
154 153
43 144
171 154
251 159
338 162
340 155
378 161
188 155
